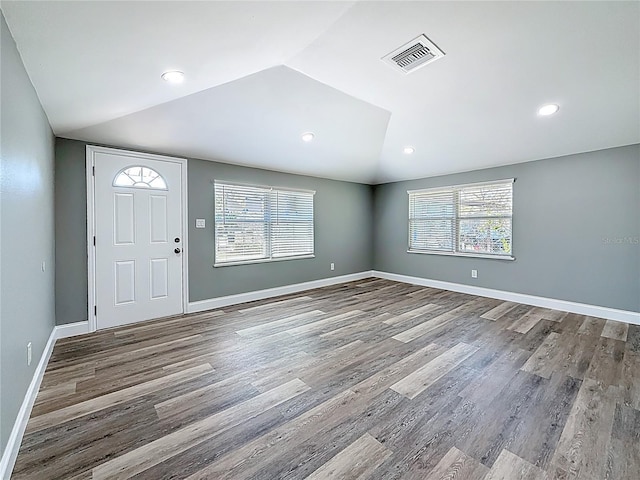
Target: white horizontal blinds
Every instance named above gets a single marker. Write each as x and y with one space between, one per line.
431 221
471 219
242 229
292 223
484 218
262 223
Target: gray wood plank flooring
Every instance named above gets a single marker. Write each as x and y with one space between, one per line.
365 380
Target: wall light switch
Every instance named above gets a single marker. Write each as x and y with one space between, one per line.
200 223
474 273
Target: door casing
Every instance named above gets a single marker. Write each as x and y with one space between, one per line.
91 152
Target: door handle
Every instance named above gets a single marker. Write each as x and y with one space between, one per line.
177 250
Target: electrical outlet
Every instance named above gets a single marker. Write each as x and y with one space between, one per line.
201 223
474 273
333 266
28 353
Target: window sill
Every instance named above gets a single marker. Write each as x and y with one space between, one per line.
261 260
471 255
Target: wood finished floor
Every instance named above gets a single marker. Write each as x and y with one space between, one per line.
370 379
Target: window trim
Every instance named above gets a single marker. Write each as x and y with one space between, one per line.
263 260
456 219
269 188
232 183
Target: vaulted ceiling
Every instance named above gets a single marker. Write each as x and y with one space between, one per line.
259 74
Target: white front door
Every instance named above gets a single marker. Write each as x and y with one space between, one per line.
138 237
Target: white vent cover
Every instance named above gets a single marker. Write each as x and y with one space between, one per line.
417 53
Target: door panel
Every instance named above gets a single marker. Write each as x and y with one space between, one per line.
158 217
125 282
124 219
159 278
138 214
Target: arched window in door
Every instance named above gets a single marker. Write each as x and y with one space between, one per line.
140 177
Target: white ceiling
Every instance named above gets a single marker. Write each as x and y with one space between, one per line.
258 74
260 117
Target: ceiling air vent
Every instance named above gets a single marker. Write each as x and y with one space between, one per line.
417 53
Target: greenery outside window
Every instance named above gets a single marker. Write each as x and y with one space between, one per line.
465 220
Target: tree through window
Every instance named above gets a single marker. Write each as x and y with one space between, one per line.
472 219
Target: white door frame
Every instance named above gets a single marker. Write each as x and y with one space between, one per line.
91 224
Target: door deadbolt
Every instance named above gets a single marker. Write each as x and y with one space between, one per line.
177 240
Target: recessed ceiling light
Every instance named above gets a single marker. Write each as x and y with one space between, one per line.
174 76
548 109
307 137
408 150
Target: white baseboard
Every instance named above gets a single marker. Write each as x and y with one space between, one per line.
220 302
71 329
563 305
15 438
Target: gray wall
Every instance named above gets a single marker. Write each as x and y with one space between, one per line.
343 232
71 232
342 221
565 209
576 230
27 239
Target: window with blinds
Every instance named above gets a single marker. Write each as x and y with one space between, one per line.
255 223
472 220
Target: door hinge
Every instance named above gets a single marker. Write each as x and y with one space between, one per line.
94 171
95 310
94 240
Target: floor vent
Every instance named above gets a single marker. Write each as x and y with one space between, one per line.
416 54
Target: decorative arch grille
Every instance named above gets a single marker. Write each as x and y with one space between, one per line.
140 177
